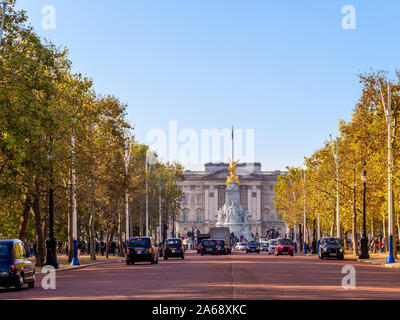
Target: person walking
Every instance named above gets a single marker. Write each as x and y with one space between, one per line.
59 246
380 245
102 247
79 247
66 248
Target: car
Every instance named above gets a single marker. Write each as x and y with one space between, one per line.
208 246
284 246
141 249
16 269
331 248
174 249
221 247
253 246
240 246
272 246
264 246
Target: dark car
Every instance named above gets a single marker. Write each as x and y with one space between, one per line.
264 246
141 249
332 248
253 246
221 247
15 267
284 246
174 249
208 247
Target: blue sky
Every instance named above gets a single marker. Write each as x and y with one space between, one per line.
286 69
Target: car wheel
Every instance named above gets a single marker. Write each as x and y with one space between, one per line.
31 284
341 258
19 284
201 254
128 262
322 257
165 257
183 257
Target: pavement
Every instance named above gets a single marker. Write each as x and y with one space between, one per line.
84 261
235 276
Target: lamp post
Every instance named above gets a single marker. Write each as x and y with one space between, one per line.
159 208
75 260
128 151
364 240
150 159
305 216
390 258
5 4
51 242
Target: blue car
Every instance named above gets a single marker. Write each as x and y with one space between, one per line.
15 267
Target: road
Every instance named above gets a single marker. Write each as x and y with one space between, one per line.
236 276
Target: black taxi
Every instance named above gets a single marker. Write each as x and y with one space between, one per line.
174 249
15 268
141 249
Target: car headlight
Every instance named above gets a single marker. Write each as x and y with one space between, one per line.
341 250
325 249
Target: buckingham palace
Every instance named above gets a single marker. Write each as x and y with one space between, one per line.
205 191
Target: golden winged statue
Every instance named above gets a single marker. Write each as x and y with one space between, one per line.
232 170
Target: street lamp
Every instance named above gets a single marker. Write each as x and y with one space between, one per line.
75 260
51 242
150 159
364 240
5 4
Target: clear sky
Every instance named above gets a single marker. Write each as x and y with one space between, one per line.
286 69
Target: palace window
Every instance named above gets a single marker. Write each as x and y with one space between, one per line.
199 216
198 198
186 218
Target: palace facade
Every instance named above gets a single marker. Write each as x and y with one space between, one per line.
205 191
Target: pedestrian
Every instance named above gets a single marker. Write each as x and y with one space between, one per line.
79 247
113 247
102 247
66 248
384 244
380 244
59 246
34 249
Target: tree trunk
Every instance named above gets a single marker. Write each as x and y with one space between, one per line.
38 226
91 230
120 243
300 247
333 223
25 218
394 227
354 227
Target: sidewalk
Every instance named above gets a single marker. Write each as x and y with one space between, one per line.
84 261
376 259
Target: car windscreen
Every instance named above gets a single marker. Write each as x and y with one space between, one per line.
272 242
332 242
285 241
173 242
220 242
5 250
140 242
252 243
209 242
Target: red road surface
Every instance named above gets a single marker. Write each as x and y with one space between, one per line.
236 276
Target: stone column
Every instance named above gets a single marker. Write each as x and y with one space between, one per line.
214 211
206 207
258 203
249 199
